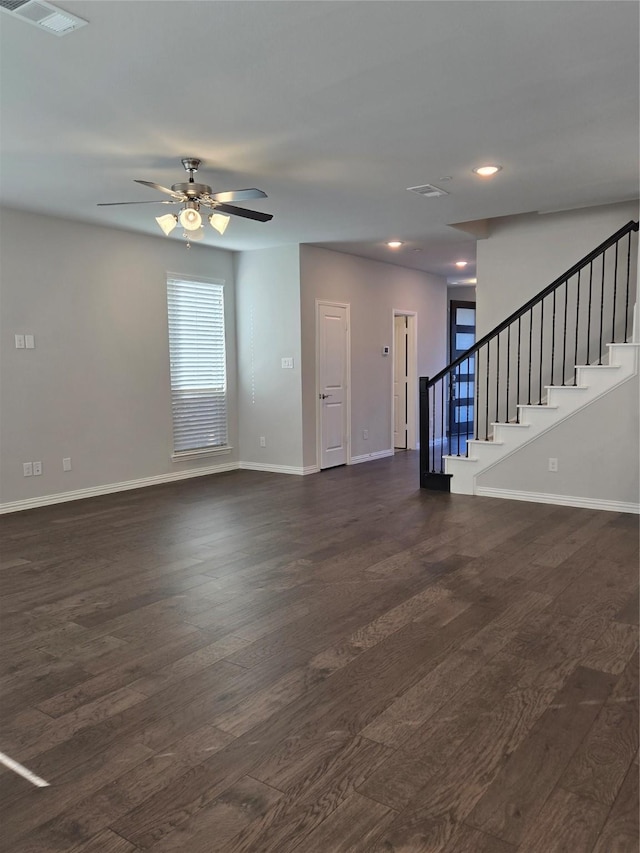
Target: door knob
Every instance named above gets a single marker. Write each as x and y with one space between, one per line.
324 396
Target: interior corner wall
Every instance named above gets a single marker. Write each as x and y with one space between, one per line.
268 330
96 387
373 290
597 449
525 253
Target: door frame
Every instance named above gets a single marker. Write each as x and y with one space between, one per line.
412 376
347 386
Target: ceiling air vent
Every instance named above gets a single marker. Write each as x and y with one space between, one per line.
428 191
43 15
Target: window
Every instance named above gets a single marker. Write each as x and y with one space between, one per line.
198 366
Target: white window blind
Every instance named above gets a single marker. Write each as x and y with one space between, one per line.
198 364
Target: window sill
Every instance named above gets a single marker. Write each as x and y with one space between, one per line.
186 455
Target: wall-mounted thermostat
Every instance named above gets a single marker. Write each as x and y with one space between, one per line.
385 350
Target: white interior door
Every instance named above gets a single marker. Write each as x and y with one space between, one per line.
332 383
400 366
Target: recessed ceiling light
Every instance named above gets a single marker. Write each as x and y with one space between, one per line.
461 264
394 244
487 171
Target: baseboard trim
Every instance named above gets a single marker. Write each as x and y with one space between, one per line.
278 469
109 488
369 457
560 500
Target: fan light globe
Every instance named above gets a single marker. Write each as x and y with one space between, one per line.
194 236
219 222
190 219
167 222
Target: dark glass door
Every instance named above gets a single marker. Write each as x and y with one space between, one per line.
462 335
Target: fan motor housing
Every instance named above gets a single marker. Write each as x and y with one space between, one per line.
192 190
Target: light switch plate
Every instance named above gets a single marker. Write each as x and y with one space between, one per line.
19 341
29 342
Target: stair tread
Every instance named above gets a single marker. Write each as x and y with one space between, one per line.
537 405
574 387
502 424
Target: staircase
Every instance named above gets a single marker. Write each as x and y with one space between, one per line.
549 360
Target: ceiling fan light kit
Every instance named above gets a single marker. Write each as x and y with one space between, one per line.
192 196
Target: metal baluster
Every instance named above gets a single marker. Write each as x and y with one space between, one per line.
615 290
468 397
541 337
497 376
518 377
456 410
553 335
433 432
530 351
589 314
604 255
575 355
442 428
476 382
486 402
564 335
626 302
506 412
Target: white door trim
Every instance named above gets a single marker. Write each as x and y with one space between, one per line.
333 304
412 374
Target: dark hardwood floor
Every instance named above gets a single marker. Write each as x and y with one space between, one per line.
340 663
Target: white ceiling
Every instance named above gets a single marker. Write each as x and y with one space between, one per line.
332 108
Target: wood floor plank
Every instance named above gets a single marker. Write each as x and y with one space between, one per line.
603 759
613 649
211 830
621 832
467 840
516 796
351 828
105 842
298 613
566 822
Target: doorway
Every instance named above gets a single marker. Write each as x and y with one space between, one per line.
332 383
405 381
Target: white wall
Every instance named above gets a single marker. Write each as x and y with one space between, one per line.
373 290
268 328
597 451
523 254
96 387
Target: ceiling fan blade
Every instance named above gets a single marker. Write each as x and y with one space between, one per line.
240 211
112 203
238 195
162 189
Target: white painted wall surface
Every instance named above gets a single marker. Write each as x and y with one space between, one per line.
523 254
96 387
373 290
268 330
597 451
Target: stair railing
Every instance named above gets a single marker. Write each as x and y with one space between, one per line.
568 323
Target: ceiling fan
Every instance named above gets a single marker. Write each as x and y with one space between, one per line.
193 196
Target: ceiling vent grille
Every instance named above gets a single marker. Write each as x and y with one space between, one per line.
43 15
428 191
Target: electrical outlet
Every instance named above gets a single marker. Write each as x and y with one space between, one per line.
66 463
553 464
263 441
29 342
365 433
19 341
27 469
37 469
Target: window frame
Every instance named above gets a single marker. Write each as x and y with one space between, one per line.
207 450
